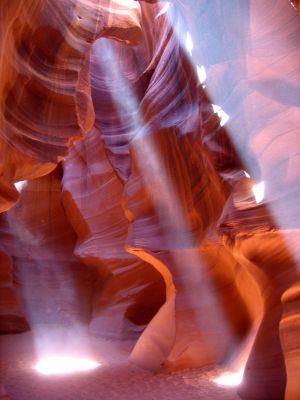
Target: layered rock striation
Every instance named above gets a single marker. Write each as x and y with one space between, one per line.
149 180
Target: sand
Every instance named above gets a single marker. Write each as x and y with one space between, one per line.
115 379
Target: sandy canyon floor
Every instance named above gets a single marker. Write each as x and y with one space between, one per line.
115 379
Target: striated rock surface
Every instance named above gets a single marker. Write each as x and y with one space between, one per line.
55 287
44 90
174 217
155 149
127 291
255 81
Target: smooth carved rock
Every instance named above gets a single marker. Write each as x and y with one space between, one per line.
182 334
257 79
274 356
167 188
127 291
55 287
161 166
44 90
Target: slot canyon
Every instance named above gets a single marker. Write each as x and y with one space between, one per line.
149 199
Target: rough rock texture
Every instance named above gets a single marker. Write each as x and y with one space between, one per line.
174 215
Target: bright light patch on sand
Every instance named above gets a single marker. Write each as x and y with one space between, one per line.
230 378
259 192
20 185
64 365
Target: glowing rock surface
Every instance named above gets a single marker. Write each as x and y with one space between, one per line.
149 179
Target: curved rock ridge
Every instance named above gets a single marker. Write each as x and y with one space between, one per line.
54 286
174 218
127 291
45 90
245 78
172 208
274 354
256 81
129 83
168 181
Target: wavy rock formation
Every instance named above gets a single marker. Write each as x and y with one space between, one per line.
155 150
44 89
256 81
174 217
54 286
127 292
